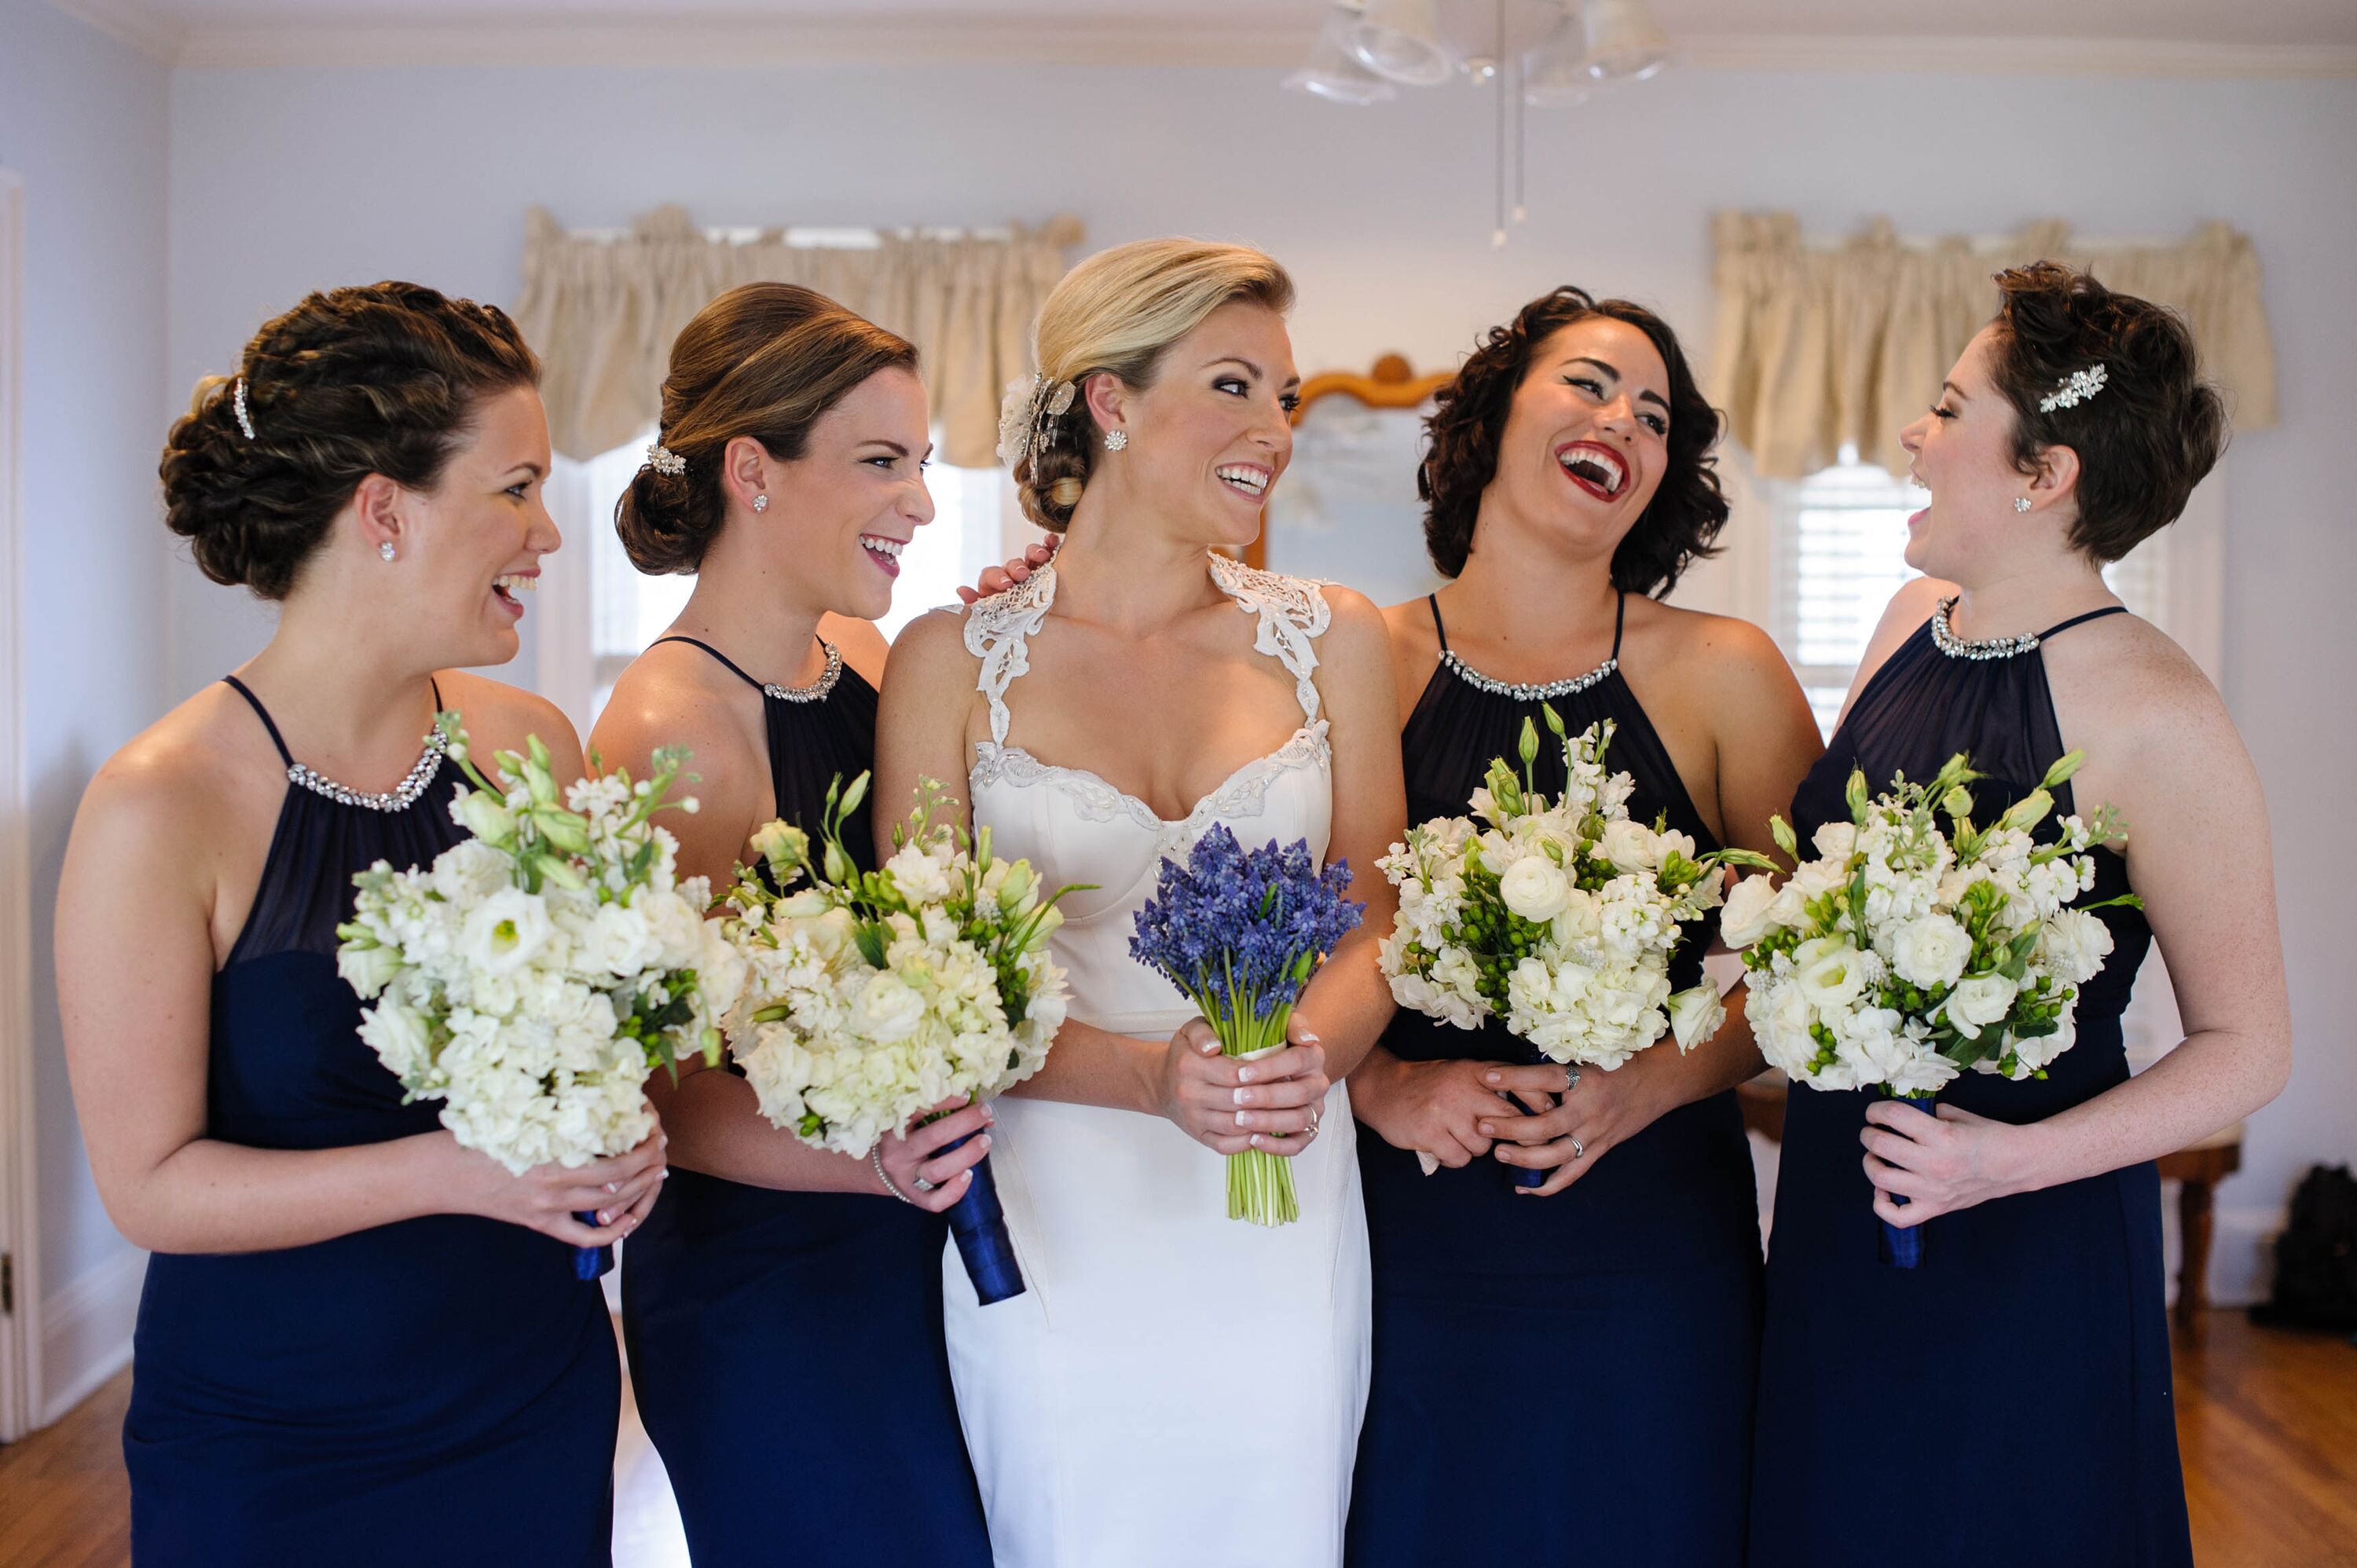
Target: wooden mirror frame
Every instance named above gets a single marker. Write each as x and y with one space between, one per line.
1391 384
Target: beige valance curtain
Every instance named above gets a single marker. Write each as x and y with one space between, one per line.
603 312
1822 347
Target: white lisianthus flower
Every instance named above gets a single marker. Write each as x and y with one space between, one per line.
1980 1001
2074 943
1534 888
367 970
469 871
506 931
921 877
1835 841
1930 951
1695 1015
1745 918
1829 972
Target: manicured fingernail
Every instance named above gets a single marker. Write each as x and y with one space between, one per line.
1243 1075
611 1189
1488 1131
1255 1139
988 1115
1244 1119
1307 1038
982 1141
1243 1096
605 1217
1495 1077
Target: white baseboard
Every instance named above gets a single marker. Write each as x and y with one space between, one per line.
86 1332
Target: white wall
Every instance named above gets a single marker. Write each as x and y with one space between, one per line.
83 118
288 179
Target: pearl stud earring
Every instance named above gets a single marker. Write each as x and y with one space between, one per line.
2022 503
1116 439
760 503
386 549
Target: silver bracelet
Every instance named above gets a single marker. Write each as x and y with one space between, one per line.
876 1158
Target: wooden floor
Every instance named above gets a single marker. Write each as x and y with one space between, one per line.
2268 1420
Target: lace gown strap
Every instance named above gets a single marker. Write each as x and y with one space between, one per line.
999 631
1293 613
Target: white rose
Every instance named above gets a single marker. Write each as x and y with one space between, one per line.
1745 918
886 1010
1829 972
1931 952
920 878
470 870
2074 944
1695 1015
504 931
1631 845
1534 888
1980 1001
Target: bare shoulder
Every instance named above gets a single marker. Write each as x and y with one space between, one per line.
931 648
676 695
861 643
1716 647
186 779
1355 628
500 717
2126 686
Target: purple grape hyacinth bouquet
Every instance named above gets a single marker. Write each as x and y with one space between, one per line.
1241 933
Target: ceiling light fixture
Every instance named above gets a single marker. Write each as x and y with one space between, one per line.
1542 52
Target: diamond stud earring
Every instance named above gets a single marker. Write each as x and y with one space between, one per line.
1116 439
386 549
760 503
2022 503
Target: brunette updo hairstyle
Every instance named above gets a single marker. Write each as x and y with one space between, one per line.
1118 312
765 361
1469 419
385 379
2145 438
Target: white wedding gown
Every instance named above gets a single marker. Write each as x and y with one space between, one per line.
1174 1387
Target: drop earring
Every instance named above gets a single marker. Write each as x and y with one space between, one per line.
1116 439
760 503
386 549
2022 503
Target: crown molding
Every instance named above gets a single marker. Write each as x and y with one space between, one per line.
157 37
1112 42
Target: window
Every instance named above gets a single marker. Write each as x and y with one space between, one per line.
600 612
1839 552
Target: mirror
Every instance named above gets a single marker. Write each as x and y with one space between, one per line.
1346 508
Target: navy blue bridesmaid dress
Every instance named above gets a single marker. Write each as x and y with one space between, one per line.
2008 1400
786 1348
1563 1380
437 1390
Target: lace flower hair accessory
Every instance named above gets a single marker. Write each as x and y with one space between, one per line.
1028 415
665 461
2073 389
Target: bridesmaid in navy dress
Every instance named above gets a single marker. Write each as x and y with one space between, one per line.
358 1343
1563 1374
2008 1400
782 1305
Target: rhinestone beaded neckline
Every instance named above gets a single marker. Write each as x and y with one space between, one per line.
816 689
1955 646
1526 693
400 798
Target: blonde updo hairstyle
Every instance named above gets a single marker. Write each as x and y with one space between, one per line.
765 361
1117 314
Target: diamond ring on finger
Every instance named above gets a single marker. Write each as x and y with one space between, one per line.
1578 1149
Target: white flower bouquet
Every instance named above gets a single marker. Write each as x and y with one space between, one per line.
1904 954
539 969
872 996
1560 915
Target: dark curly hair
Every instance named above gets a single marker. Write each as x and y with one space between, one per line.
382 379
765 359
1469 418
2145 438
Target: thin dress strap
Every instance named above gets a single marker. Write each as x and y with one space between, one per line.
1620 619
270 724
2090 615
1438 631
999 631
731 664
1293 613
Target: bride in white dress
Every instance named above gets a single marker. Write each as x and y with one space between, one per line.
1174 1386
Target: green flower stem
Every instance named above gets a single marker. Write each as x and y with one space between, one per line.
1260 1185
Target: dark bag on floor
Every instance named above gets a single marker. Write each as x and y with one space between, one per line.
2316 1260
